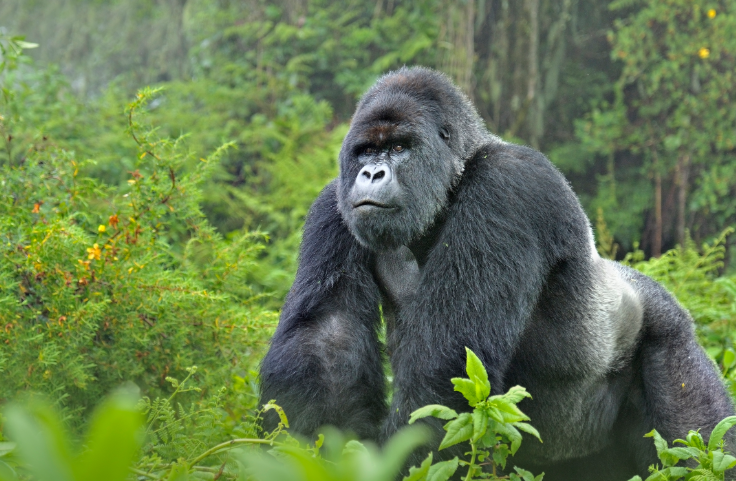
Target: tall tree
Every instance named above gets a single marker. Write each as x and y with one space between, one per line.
673 118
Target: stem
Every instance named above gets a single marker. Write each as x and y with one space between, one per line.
472 462
231 443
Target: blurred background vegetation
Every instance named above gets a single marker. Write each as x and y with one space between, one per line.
133 246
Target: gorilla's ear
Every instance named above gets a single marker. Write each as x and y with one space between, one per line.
445 134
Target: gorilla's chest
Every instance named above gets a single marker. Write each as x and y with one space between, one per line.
397 273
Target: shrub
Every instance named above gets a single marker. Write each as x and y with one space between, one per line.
100 284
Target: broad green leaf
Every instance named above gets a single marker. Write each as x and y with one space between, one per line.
420 473
529 429
668 474
511 434
466 387
636 478
112 441
397 449
500 455
524 474
729 358
495 414
722 461
683 453
354 447
511 413
480 423
719 431
443 471
434 410
458 430
42 442
659 443
477 373
516 393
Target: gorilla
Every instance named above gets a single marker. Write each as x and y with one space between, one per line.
454 238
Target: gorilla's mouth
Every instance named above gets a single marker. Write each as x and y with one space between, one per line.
371 203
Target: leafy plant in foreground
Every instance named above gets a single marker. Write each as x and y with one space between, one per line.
43 446
712 460
492 429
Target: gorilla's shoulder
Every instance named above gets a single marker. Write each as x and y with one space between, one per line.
505 155
519 172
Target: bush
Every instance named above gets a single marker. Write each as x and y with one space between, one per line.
99 285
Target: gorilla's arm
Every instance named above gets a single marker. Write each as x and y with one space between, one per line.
512 218
324 365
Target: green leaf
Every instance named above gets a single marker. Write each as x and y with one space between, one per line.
459 430
443 471
7 473
722 461
668 474
729 358
511 434
683 453
516 393
25 45
420 473
636 478
510 412
398 448
42 443
719 431
500 455
480 423
434 410
478 374
524 474
112 440
529 429
6 448
178 473
466 387
660 444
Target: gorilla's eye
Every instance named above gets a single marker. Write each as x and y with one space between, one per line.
398 148
370 150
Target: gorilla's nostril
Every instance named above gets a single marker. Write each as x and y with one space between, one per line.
366 174
379 175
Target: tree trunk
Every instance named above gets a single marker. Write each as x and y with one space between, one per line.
533 61
682 171
657 234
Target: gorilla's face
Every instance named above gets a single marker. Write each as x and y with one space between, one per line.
396 171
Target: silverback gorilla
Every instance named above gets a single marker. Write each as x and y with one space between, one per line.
461 239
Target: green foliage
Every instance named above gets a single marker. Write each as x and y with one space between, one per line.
102 284
111 442
672 114
711 459
492 429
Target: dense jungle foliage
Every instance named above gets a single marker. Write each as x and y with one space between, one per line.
149 235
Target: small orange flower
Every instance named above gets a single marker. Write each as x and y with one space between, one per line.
36 207
704 52
94 252
711 13
113 221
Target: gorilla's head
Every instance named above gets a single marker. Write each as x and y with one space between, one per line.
407 146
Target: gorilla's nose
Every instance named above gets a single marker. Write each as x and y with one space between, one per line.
373 176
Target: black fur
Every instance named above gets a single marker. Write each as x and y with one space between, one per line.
472 241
